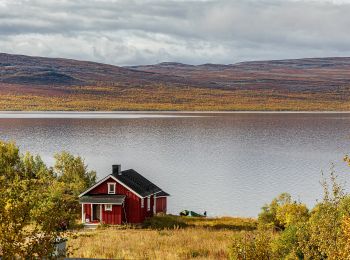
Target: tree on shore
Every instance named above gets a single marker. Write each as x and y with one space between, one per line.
36 200
73 178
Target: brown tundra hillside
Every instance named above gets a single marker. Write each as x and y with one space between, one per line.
36 83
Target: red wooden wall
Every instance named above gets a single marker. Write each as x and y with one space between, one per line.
144 212
87 210
161 205
113 217
102 188
132 204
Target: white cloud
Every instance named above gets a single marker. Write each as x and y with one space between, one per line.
149 31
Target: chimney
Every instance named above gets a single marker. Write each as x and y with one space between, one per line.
117 169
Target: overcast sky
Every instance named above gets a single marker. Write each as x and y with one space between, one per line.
127 32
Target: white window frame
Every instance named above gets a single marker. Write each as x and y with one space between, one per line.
148 203
142 203
109 186
108 207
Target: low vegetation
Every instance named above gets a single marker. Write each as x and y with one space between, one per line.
153 244
174 222
166 98
229 223
288 230
163 237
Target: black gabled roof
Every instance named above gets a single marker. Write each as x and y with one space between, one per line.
163 194
137 182
112 199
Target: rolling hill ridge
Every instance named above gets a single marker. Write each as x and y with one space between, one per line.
37 83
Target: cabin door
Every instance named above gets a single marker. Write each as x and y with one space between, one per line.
96 212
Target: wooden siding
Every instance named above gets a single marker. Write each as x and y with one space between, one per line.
87 211
103 187
144 212
113 217
132 203
161 205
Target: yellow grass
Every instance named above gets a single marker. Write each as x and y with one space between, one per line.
197 241
168 98
222 223
152 244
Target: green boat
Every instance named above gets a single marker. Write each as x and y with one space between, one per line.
190 213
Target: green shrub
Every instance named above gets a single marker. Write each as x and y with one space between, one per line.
103 225
252 245
292 214
284 245
164 222
322 233
325 238
282 212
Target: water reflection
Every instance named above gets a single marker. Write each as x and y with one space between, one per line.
227 164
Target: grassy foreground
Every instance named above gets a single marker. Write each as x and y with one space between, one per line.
198 238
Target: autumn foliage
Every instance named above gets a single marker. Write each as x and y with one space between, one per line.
288 230
37 203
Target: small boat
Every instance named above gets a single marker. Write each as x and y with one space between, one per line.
190 213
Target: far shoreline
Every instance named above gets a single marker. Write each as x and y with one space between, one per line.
148 114
176 112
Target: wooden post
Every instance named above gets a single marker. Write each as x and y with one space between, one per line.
82 213
92 213
154 203
101 220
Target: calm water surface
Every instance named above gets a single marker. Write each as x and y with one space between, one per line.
226 164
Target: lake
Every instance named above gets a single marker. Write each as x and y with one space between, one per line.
224 163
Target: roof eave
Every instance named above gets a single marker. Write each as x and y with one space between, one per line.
122 200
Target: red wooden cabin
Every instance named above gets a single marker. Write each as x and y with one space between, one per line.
122 197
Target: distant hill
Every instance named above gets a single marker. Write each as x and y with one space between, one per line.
292 75
36 83
20 69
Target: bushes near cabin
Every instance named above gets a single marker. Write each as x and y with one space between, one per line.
252 245
288 230
164 222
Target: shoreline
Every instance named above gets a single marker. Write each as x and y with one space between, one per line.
177 112
148 114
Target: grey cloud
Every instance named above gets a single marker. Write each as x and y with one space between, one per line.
142 32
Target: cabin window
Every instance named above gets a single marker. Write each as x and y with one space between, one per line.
142 203
111 188
148 203
108 207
